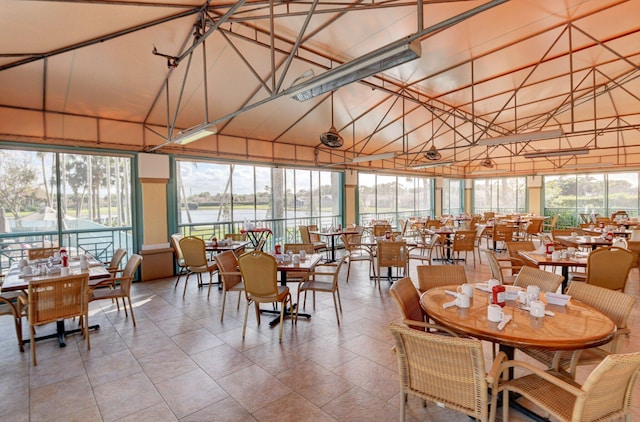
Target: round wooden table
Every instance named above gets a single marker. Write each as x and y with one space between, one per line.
574 326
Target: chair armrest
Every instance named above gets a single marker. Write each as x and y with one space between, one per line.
106 281
493 376
569 388
423 324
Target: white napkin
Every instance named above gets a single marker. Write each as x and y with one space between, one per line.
449 304
504 322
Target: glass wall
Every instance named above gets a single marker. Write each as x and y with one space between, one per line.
452 196
506 195
574 197
216 199
384 197
49 198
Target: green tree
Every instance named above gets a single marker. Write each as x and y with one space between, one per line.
17 182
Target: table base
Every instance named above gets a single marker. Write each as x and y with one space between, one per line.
288 313
61 333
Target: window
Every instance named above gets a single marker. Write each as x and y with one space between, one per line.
216 199
48 198
501 195
574 197
452 190
392 198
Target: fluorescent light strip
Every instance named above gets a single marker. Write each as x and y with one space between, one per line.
494 171
374 157
426 166
374 62
521 137
557 153
190 135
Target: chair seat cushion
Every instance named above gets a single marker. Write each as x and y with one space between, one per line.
322 286
106 294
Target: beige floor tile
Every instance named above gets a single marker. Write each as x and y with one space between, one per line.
123 397
292 407
190 392
315 383
112 367
227 410
196 341
56 401
158 413
253 387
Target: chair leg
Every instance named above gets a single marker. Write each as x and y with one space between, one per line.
224 300
335 306
32 344
246 314
284 305
133 318
348 269
186 280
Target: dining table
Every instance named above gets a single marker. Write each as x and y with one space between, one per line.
286 266
573 326
332 235
592 242
225 245
579 260
256 234
15 280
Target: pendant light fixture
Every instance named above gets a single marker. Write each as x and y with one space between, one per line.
332 138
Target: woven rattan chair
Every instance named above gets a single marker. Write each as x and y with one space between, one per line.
533 228
54 299
323 278
237 237
195 259
259 272
10 305
425 249
408 299
41 253
356 252
616 305
308 238
463 241
529 276
114 265
605 395
430 276
501 233
551 224
609 267
391 255
381 229
122 284
445 370
177 251
502 268
230 275
514 247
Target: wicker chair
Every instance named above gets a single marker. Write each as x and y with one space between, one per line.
605 395
445 370
408 299
356 252
231 278
551 225
616 305
298 276
314 240
54 299
430 276
114 265
123 286
529 276
464 241
323 278
177 251
501 233
502 268
424 250
381 229
514 247
41 253
10 305
391 254
259 272
609 267
195 259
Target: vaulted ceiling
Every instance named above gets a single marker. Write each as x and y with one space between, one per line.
132 74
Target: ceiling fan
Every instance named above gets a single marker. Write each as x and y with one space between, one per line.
332 138
433 154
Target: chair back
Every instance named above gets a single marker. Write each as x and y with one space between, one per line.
494 266
116 259
228 269
41 253
535 226
608 388
634 246
392 254
488 214
313 237
297 247
175 242
464 240
609 267
194 251
53 299
620 242
502 233
238 237
514 247
529 276
304 234
129 272
616 305
381 229
430 276
259 272
443 369
408 299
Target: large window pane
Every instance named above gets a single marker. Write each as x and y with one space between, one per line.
501 195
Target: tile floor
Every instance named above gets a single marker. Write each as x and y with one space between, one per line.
182 363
